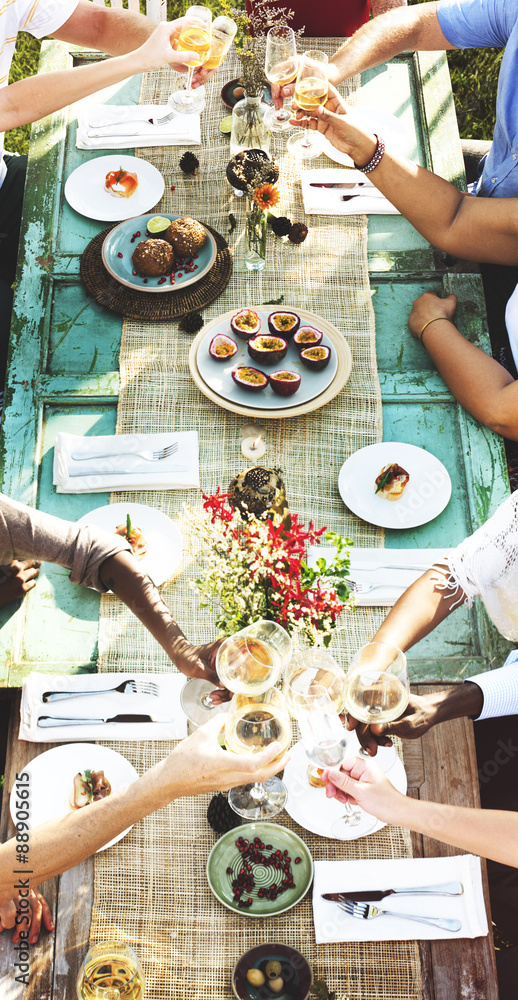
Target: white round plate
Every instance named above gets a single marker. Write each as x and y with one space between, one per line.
51 780
382 123
162 536
84 189
426 494
310 807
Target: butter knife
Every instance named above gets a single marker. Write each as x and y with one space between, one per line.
442 889
48 721
125 472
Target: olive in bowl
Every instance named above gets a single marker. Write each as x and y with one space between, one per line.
272 970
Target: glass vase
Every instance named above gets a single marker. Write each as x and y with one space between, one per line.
249 130
255 236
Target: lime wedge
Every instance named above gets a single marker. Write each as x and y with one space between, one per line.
157 224
225 126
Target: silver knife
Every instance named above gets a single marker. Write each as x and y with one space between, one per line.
126 472
48 721
442 889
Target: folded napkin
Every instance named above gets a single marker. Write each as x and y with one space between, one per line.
396 569
164 707
332 924
109 126
365 200
129 471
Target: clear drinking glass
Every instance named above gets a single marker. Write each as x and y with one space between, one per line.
311 90
281 68
310 667
110 971
252 723
248 662
223 32
377 687
195 36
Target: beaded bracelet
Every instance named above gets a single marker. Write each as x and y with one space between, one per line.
375 159
434 320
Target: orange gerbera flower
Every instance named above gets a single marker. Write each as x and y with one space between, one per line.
266 196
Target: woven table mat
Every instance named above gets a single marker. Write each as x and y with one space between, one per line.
146 306
152 889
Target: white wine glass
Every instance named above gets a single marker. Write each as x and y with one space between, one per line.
254 721
311 90
223 32
248 662
310 667
195 36
281 68
110 971
377 687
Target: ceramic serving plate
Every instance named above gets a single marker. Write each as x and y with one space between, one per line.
118 248
85 192
163 539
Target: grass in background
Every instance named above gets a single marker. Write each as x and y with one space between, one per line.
474 74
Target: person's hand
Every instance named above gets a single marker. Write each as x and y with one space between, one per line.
364 784
159 49
430 306
26 920
206 767
196 661
17 579
337 124
419 716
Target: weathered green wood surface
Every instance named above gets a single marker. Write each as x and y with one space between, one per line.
63 373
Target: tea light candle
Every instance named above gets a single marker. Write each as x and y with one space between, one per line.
253 447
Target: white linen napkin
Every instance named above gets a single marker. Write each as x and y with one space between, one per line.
165 706
129 126
328 200
128 472
396 569
332 924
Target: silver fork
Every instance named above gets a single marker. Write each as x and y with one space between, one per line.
135 685
361 588
163 120
365 911
149 456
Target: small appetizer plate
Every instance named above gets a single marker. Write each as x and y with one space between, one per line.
295 972
426 494
310 808
230 100
121 242
51 780
163 539
85 192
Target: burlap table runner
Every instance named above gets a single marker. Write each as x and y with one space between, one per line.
151 889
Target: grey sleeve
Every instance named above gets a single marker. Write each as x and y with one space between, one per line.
26 533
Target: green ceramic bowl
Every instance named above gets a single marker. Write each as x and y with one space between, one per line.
225 861
295 973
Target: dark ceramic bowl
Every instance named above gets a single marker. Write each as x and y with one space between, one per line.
295 972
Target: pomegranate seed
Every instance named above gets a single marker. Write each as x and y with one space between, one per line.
196 256
119 255
268 846
180 274
173 187
133 272
137 234
298 860
145 281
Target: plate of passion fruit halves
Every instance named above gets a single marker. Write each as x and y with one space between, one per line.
259 361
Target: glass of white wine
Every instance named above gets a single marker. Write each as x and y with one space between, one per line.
195 36
314 667
223 32
377 688
280 68
252 723
311 90
248 662
110 971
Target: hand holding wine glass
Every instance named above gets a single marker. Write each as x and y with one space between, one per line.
280 69
311 90
377 687
195 36
253 722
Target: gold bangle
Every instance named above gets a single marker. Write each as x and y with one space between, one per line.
434 320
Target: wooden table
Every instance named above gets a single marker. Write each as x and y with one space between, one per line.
441 767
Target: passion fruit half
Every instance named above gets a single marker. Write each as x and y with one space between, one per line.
249 378
285 383
245 324
267 350
221 347
316 358
283 324
307 336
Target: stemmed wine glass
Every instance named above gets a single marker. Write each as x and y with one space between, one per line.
311 89
280 68
248 662
195 36
252 723
310 667
377 687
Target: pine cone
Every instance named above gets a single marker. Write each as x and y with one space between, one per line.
298 232
191 323
281 226
220 815
189 163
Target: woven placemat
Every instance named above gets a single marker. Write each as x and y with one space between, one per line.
141 305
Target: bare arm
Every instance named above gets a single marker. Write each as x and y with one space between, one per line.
196 765
481 385
490 833
481 229
399 30
106 29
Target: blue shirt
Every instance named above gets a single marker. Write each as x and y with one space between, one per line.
499 688
483 24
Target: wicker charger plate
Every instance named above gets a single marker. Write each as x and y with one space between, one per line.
138 305
335 338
